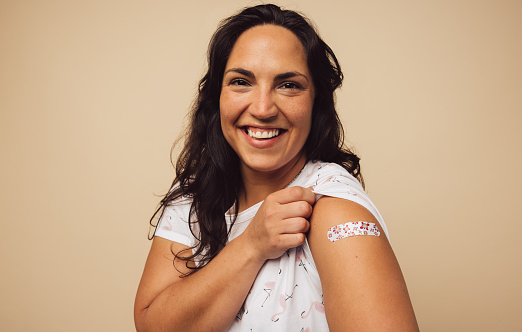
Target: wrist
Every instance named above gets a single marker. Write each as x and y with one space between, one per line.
247 249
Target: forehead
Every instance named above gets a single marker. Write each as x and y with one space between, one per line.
266 45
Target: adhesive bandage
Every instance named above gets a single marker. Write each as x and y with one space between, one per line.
352 229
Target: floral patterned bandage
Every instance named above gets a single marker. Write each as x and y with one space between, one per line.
352 229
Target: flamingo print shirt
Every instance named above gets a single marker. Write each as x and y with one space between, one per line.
287 294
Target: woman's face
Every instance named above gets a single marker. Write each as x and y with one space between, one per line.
267 98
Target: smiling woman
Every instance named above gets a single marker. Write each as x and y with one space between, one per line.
263 185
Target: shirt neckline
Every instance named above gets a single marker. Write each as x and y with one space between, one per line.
246 214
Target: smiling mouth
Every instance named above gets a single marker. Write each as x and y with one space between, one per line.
259 133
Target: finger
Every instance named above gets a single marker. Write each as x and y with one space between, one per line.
292 240
314 196
294 226
295 209
294 194
290 226
309 196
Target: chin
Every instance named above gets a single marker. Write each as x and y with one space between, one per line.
266 168
263 164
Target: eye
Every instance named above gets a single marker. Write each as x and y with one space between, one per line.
290 85
239 82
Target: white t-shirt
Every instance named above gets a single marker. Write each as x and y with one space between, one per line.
287 293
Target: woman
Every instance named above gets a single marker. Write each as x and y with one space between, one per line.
256 233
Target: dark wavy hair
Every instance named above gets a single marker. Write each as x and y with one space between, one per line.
207 169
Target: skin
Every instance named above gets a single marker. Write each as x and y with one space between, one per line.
267 86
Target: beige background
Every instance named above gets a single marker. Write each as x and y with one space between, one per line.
93 93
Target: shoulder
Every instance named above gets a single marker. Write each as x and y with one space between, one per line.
359 273
330 180
344 229
333 238
334 219
320 175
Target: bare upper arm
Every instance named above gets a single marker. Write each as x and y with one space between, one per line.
160 272
363 286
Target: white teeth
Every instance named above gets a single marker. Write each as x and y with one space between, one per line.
264 134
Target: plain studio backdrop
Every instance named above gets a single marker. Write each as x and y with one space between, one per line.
94 93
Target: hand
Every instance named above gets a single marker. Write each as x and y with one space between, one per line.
280 223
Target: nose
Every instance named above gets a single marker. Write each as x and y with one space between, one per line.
263 106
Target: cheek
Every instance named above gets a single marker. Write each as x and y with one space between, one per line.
225 126
227 109
222 102
303 116
227 118
224 112
308 125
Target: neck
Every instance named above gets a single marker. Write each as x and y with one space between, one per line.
257 185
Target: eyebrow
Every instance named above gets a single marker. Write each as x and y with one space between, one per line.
241 71
282 76
290 74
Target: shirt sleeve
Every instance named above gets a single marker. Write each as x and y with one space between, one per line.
335 181
174 226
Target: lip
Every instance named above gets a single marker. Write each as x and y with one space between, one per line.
262 143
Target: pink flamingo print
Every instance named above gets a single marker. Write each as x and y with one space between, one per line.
269 287
282 302
298 254
318 306
312 171
167 225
